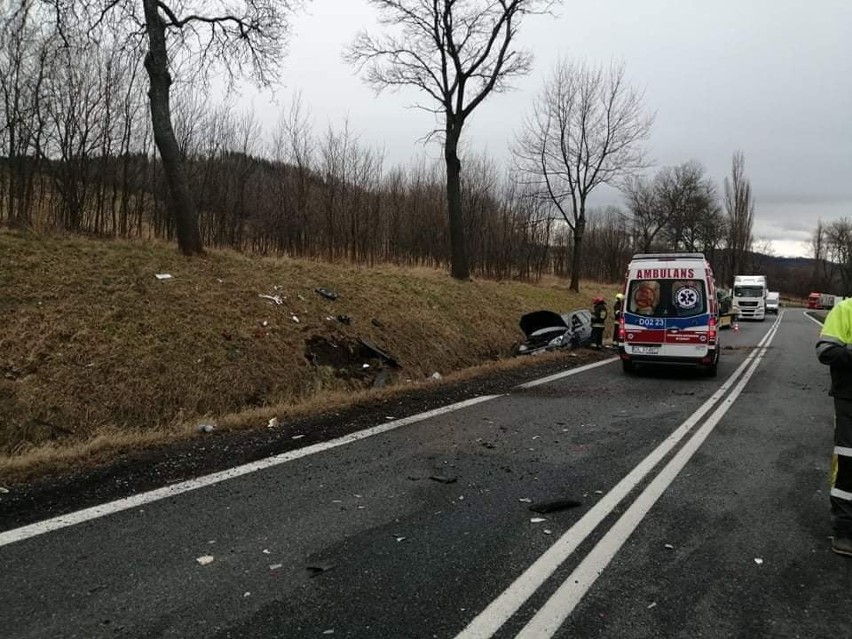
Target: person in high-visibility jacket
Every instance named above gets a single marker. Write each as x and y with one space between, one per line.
834 347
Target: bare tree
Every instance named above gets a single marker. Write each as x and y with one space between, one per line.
457 53
242 37
585 130
739 207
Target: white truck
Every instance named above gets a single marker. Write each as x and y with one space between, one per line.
750 296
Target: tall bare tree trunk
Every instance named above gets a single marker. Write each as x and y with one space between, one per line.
459 263
180 199
577 258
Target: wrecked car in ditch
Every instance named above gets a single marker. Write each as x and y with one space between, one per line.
547 331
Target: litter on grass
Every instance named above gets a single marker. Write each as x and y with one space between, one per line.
206 428
272 423
329 295
273 298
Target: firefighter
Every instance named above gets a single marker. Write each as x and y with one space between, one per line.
598 322
616 316
834 348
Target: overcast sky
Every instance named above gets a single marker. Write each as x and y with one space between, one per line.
772 78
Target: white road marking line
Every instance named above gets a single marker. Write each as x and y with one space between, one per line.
135 501
813 319
556 610
499 611
568 373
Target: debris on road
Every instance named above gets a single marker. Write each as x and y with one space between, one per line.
547 531
272 423
329 295
669 547
554 505
297 436
344 319
399 539
537 520
275 566
758 561
444 479
525 500
294 318
653 604
163 276
204 560
4 490
318 569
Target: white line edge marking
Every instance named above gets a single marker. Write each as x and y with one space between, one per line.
501 609
568 373
134 501
556 610
813 319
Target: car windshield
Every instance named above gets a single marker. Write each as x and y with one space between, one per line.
748 291
667 298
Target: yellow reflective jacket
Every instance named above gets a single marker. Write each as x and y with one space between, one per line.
834 348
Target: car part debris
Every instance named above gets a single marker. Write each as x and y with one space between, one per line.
389 359
444 479
554 505
318 569
329 295
274 298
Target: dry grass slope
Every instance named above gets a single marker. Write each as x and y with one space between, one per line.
97 355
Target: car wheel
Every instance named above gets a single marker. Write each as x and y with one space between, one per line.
713 369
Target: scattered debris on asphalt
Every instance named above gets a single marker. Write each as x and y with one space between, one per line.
329 295
4 490
758 561
344 319
537 520
297 436
294 318
399 539
319 568
272 423
525 500
653 604
206 559
547 531
275 566
554 505
164 276
669 547
444 479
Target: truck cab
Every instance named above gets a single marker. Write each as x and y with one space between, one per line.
750 295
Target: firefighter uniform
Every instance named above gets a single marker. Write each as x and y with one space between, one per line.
834 348
598 321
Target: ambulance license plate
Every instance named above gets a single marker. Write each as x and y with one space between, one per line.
646 350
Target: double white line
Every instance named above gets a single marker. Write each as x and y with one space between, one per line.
557 609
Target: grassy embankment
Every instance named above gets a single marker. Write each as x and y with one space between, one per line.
98 356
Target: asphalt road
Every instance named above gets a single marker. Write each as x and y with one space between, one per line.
703 513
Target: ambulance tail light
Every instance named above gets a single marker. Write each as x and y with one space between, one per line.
621 329
711 333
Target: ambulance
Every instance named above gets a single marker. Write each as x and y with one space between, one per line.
670 312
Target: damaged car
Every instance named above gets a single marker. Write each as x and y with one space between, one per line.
547 331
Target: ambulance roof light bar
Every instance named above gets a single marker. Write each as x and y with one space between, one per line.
669 256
